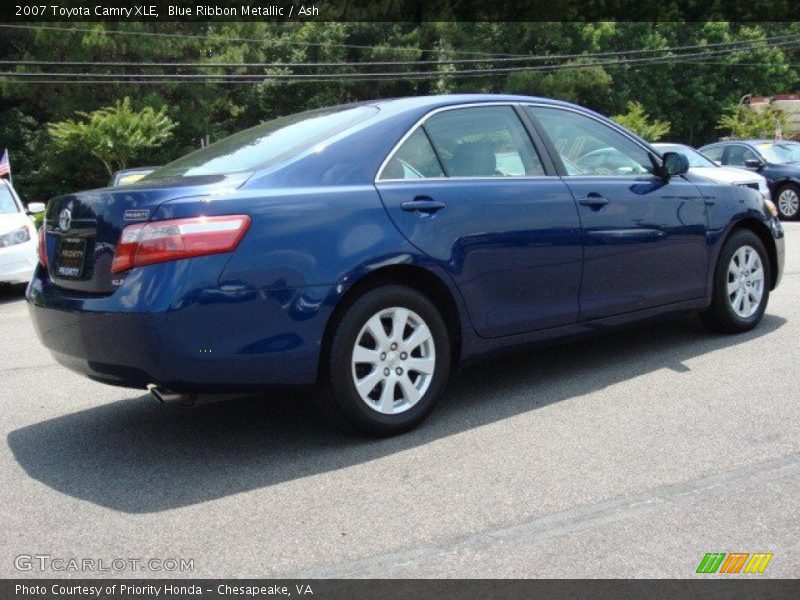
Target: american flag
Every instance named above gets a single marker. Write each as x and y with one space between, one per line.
5 165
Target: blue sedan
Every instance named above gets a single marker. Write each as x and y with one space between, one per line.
370 249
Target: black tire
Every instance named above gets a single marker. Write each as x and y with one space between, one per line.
784 211
337 394
721 315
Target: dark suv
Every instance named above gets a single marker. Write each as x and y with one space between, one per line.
777 160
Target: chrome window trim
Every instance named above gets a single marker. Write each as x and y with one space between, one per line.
438 110
470 178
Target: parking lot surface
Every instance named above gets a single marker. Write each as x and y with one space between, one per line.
628 455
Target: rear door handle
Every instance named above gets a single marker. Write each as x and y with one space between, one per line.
422 204
594 201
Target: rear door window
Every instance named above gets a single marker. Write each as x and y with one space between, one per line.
486 141
738 154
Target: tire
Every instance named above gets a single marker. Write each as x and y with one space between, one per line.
788 201
395 393
740 295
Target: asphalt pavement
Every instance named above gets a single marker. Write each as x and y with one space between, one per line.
629 455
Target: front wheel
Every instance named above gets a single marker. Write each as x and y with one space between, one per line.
389 360
788 201
741 285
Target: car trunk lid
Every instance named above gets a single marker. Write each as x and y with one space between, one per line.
82 229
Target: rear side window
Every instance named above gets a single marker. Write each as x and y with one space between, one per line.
415 159
714 153
266 144
483 142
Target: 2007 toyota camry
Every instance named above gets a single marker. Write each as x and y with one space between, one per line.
371 248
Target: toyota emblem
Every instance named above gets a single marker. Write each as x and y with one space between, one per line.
65 220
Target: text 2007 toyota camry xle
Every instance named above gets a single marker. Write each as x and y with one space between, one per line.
369 249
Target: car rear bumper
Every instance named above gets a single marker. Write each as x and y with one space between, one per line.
18 262
212 340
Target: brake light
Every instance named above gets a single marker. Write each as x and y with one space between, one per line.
42 246
162 241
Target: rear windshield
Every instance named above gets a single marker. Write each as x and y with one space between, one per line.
7 203
266 144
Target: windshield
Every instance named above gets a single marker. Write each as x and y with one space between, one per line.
7 203
696 159
266 144
781 152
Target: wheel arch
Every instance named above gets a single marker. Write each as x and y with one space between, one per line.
414 276
786 180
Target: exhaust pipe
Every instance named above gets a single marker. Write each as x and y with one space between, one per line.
165 396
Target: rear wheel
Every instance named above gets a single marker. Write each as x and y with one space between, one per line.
788 201
741 285
389 360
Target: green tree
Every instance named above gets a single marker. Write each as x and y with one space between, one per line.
742 123
639 122
114 134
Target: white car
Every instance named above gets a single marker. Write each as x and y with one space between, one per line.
701 165
18 240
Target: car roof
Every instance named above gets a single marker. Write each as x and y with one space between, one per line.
448 99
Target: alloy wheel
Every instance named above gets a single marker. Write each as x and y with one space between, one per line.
788 203
393 360
745 283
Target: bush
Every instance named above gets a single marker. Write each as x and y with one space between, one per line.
639 122
742 123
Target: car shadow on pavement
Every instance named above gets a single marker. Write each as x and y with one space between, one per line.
136 456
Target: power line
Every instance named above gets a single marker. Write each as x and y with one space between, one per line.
734 45
344 79
377 75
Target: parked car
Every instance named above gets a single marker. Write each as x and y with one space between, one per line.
18 240
702 165
371 248
777 161
127 176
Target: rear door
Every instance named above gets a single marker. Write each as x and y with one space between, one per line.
644 236
468 188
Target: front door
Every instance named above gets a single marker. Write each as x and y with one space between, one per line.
644 236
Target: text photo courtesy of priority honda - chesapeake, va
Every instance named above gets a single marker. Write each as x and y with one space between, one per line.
392 301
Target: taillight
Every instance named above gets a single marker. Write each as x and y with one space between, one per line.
161 241
42 246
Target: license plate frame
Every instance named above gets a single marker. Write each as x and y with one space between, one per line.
71 266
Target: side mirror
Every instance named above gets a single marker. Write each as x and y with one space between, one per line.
753 163
675 163
35 208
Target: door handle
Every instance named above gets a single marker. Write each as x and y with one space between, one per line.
594 201
422 204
